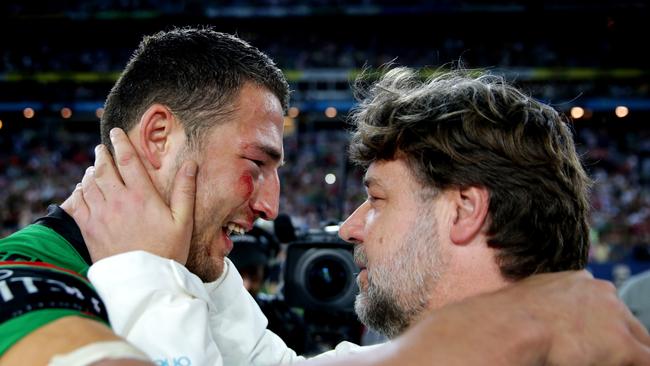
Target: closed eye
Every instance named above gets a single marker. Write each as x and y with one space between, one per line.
259 163
374 198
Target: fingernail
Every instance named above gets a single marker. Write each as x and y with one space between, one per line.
97 149
78 186
113 133
90 170
190 169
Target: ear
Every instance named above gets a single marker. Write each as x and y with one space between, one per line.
156 126
471 208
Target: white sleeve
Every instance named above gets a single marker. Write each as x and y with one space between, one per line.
243 342
159 306
170 314
249 342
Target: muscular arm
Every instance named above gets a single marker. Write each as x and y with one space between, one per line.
552 319
61 337
47 307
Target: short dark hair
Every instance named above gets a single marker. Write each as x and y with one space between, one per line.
196 72
459 129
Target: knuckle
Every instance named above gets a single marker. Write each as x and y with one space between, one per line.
85 189
137 200
189 190
125 158
117 205
99 170
88 175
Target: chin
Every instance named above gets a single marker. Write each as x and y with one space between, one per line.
208 273
206 267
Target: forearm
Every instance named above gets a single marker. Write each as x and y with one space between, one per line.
560 319
484 330
63 337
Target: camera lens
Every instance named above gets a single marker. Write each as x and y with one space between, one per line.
326 278
322 277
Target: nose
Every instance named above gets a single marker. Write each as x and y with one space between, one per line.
352 230
267 201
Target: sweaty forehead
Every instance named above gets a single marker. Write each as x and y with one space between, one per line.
257 100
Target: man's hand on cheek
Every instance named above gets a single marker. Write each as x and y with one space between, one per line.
118 209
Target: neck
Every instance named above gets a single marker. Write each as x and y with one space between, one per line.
471 270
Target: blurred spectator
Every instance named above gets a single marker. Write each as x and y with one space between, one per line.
40 166
635 293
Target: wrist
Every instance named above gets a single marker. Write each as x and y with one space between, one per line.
526 337
530 339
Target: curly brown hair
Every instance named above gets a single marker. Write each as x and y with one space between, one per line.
459 129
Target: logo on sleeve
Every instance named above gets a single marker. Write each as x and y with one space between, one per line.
33 286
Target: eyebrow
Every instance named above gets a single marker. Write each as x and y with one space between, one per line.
368 181
274 154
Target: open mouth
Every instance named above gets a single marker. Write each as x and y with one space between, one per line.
227 231
233 228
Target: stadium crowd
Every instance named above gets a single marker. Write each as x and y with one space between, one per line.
39 168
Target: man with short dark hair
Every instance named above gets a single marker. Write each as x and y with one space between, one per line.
187 97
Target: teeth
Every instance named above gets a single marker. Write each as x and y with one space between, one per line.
234 228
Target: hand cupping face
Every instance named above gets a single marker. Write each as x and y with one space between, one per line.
118 209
